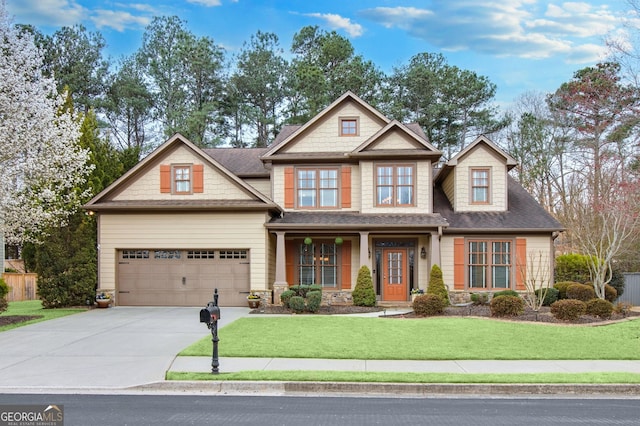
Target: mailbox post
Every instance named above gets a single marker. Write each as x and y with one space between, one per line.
210 316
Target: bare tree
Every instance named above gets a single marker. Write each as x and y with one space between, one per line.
536 276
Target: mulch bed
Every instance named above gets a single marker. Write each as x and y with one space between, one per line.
478 311
16 319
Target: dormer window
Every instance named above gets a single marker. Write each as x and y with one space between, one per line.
480 185
349 126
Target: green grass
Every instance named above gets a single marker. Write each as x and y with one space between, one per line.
34 307
419 339
346 376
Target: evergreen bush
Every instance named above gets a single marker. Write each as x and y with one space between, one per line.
428 305
568 309
550 296
363 294
436 285
4 290
561 286
584 292
506 293
600 308
506 306
296 304
610 293
314 300
285 296
480 298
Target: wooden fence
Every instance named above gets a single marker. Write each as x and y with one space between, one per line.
21 286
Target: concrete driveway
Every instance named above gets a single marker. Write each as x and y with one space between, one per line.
102 348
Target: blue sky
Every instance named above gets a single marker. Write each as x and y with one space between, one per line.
520 45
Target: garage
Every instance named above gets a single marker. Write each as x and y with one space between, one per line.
177 277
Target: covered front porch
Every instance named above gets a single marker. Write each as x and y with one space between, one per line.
329 249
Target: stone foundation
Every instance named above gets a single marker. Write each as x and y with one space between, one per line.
337 298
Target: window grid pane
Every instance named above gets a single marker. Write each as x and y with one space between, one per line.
490 264
348 127
182 179
480 186
395 185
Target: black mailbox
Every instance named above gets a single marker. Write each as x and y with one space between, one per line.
210 314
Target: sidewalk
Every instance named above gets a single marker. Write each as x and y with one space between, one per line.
232 365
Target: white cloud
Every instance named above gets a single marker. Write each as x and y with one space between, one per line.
337 22
207 3
517 28
55 13
118 20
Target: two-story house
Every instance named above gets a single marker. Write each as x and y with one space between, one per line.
349 188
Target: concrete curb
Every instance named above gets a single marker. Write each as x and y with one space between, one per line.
385 389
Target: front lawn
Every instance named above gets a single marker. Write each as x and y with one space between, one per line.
440 338
32 308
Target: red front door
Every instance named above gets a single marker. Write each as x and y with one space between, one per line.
394 274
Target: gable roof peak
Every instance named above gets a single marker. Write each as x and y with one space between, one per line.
346 95
482 139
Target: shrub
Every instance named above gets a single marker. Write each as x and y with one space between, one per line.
506 293
506 306
314 300
296 304
568 309
480 298
600 308
428 305
286 296
562 288
73 287
584 292
550 297
436 285
303 289
363 294
610 293
617 281
4 290
572 267
622 308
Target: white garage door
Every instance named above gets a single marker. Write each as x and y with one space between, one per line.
182 277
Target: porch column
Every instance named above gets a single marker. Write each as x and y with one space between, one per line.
280 283
435 249
364 249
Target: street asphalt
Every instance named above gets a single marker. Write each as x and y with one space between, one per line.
130 349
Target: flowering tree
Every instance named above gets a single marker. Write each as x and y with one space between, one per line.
41 163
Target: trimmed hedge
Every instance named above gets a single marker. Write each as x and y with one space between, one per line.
506 293
286 296
296 304
428 305
584 292
480 298
610 293
314 300
600 308
568 309
562 288
506 306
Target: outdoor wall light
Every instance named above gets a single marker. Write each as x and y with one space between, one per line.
423 253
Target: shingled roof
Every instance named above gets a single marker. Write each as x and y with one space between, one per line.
524 214
243 162
354 220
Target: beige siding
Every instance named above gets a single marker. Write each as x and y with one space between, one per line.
448 186
481 157
325 135
395 140
423 189
446 259
216 185
183 231
261 185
